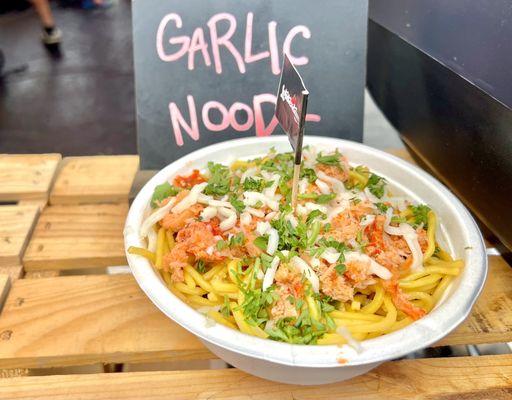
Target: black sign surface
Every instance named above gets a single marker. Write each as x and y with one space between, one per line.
206 71
292 104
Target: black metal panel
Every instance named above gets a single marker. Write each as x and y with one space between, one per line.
465 134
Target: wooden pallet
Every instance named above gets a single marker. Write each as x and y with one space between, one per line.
62 314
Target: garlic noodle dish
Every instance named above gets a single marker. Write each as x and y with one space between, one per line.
353 261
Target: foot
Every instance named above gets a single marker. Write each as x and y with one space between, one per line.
51 35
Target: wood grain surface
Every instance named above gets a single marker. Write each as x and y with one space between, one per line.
78 236
95 179
26 176
16 225
458 378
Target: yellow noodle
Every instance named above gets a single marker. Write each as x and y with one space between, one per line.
429 271
187 290
160 248
331 338
431 238
218 317
142 252
201 300
178 294
386 323
425 298
167 277
213 271
170 239
198 278
313 307
220 286
189 281
440 289
376 303
354 315
420 282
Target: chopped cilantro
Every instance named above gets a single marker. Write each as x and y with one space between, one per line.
376 185
309 174
221 245
201 267
226 309
261 242
420 214
237 203
315 214
382 207
340 268
331 159
162 192
255 185
219 182
325 198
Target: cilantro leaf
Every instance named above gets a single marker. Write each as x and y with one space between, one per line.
382 207
314 214
261 242
309 174
237 203
201 267
325 198
331 159
219 182
420 214
162 192
255 185
340 268
376 185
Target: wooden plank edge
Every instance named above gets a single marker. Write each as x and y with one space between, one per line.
71 360
447 378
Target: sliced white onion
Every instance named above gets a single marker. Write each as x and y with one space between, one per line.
330 255
308 272
254 211
292 220
210 250
190 199
303 185
336 184
371 196
367 220
248 173
271 191
245 218
355 344
324 187
262 227
270 273
273 241
336 210
208 213
152 239
410 236
230 218
271 215
312 206
375 268
155 217
251 198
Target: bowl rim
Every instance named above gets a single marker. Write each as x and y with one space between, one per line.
420 334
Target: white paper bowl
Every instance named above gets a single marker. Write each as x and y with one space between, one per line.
308 365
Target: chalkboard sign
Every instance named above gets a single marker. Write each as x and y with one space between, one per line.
207 70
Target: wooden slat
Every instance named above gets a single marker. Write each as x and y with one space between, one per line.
14 272
16 224
486 377
116 322
96 179
26 176
80 236
85 319
491 319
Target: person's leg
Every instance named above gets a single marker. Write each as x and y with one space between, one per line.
51 34
45 13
